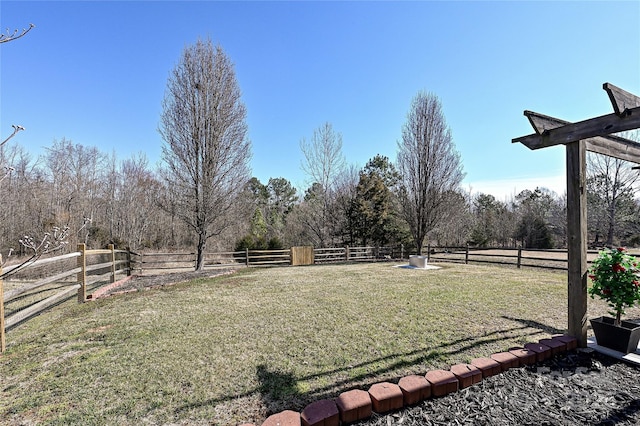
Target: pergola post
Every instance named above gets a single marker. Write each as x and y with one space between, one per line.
595 135
577 240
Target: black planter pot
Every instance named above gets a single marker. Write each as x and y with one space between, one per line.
622 339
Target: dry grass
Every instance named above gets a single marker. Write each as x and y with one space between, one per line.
240 347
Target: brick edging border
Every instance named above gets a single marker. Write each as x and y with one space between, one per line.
355 405
102 291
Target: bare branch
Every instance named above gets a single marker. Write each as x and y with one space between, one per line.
16 129
4 38
50 242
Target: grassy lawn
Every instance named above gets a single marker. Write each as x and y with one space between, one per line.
239 347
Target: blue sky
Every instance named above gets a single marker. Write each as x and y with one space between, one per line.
95 72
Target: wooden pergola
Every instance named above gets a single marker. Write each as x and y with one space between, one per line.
593 135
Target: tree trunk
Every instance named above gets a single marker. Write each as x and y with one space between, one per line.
611 223
202 241
419 246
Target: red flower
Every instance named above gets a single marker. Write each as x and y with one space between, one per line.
618 268
593 277
621 249
636 283
606 291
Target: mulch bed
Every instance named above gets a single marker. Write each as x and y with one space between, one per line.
144 282
579 387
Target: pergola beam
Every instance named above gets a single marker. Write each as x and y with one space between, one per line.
597 127
592 135
621 100
613 146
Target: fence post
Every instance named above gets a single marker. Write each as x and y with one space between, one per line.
81 276
519 257
113 262
428 253
346 253
401 251
466 255
246 256
128 261
3 344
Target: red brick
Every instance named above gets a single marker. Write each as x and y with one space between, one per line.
466 374
442 382
321 413
285 418
385 397
415 389
570 341
354 405
506 360
488 366
526 356
557 346
542 351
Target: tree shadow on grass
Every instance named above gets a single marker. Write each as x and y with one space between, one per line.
277 388
535 324
280 390
276 385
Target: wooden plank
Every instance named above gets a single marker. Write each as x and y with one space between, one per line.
577 240
302 255
571 132
41 262
613 146
12 294
621 100
624 150
24 314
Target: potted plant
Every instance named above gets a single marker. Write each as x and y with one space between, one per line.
615 278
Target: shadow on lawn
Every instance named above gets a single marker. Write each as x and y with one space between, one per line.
280 390
276 385
536 324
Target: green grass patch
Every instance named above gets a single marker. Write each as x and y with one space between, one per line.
239 347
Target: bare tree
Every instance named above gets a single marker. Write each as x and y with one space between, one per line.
323 163
429 166
323 159
206 150
610 187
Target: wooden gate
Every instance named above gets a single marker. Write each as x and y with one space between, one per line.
302 255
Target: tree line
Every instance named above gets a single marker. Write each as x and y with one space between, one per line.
202 194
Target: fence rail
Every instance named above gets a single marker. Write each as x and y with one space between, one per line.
96 268
93 269
555 259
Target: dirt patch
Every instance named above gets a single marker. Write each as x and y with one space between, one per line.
579 387
140 283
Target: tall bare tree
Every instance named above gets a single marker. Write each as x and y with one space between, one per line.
429 166
323 159
610 186
206 150
324 163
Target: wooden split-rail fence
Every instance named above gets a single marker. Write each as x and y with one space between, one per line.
85 271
